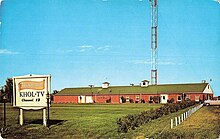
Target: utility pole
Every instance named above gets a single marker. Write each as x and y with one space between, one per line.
154 22
4 129
48 109
4 100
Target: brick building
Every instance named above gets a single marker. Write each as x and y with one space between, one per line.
135 93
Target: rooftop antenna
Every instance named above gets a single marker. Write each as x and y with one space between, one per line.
154 22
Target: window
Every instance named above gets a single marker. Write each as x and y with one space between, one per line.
179 98
144 83
187 97
127 98
163 97
208 86
196 98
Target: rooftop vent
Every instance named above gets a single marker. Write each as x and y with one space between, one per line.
145 83
131 84
105 85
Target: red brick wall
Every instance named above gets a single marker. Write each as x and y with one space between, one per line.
116 97
131 96
101 98
146 97
191 96
201 96
65 99
174 96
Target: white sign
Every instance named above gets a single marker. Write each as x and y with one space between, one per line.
31 91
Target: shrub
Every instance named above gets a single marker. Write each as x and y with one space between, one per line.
131 100
201 101
131 122
108 100
187 99
142 101
171 100
123 100
156 99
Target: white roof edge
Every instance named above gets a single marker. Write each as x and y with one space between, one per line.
31 76
145 81
208 91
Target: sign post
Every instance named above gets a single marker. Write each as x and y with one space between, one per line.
48 108
30 92
4 100
21 121
44 117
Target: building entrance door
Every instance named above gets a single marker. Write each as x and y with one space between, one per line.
163 98
81 99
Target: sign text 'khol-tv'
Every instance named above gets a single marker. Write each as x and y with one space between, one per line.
30 92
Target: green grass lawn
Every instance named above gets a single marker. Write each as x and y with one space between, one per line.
204 124
99 121
74 121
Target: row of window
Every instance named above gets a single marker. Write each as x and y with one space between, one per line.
179 98
128 98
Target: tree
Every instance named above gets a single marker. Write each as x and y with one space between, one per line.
183 96
123 100
7 90
55 92
2 93
171 100
156 99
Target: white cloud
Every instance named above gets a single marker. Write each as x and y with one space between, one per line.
166 63
216 1
82 50
104 48
5 51
86 46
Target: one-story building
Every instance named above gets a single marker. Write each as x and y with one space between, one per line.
135 93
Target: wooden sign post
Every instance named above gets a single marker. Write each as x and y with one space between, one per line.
21 120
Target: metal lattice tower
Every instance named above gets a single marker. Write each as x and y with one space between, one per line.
154 22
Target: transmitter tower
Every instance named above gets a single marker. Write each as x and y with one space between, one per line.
154 22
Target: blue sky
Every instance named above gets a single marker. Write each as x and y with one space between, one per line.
82 42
